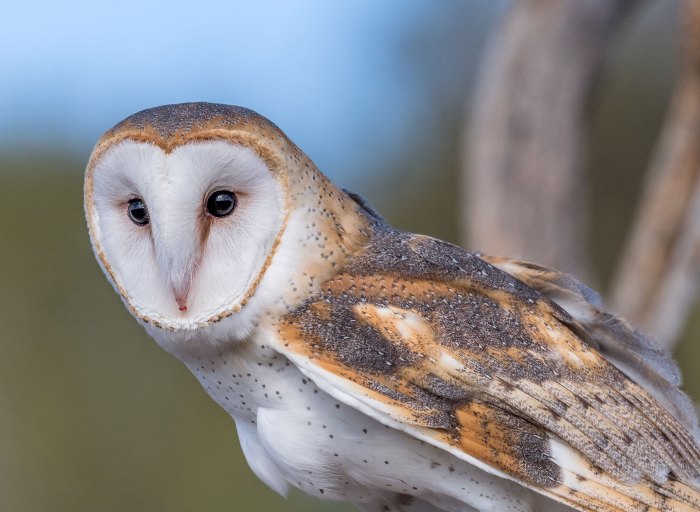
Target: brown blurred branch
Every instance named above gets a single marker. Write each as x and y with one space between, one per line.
525 192
657 279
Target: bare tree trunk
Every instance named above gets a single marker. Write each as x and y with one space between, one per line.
524 187
657 278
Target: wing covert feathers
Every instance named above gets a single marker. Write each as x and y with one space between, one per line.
634 353
494 368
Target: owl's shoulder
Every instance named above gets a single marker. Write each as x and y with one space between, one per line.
402 255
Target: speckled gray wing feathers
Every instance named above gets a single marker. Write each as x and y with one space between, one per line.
432 336
629 349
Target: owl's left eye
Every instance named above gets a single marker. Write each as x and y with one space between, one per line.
221 203
138 212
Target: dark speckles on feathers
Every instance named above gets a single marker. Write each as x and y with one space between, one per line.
355 343
183 117
439 387
448 341
532 449
412 256
474 321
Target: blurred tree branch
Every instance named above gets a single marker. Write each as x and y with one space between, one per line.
525 190
657 278
524 156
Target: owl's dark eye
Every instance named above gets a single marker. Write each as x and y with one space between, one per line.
138 212
221 203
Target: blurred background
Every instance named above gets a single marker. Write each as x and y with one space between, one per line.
93 415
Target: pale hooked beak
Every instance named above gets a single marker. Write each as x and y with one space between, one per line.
181 286
178 244
181 302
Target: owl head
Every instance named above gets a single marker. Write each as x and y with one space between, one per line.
202 213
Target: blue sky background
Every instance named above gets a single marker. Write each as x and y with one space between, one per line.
336 76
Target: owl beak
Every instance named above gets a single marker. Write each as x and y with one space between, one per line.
179 251
181 291
181 302
181 281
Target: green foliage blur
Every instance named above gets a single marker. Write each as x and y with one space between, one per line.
94 416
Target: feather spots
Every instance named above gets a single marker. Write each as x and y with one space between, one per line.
349 338
507 442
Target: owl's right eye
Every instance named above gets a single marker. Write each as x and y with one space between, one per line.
138 212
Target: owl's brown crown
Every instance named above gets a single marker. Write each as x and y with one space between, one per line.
170 126
172 122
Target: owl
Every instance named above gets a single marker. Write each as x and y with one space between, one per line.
365 364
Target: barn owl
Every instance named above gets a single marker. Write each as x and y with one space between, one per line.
365 364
